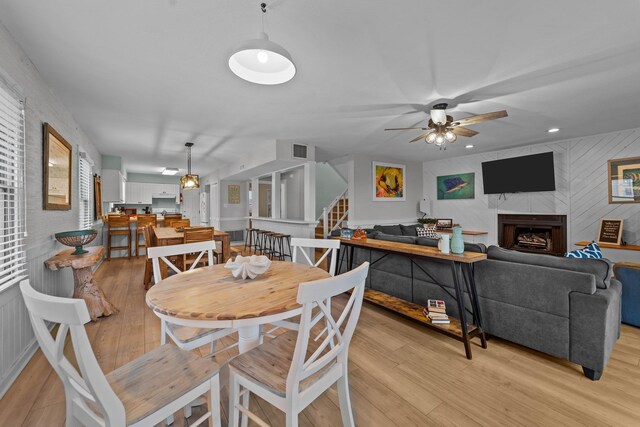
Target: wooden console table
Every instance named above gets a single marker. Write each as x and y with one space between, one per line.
462 274
84 285
611 246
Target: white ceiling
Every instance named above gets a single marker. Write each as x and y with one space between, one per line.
142 77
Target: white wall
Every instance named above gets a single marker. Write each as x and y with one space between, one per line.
233 216
581 189
364 212
292 196
41 106
329 185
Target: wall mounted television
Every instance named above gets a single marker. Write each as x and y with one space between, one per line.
519 174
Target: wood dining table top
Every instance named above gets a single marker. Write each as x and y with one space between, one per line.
212 293
170 233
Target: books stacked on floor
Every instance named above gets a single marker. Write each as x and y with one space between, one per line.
436 311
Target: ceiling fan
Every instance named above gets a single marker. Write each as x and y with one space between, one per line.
442 128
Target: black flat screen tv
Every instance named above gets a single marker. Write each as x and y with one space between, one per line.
519 174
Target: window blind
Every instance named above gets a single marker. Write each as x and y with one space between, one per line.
85 178
12 190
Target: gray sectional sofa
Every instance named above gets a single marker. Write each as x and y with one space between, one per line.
565 307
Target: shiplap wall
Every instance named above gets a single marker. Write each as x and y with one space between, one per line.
17 71
581 189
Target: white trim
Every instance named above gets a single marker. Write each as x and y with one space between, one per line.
288 221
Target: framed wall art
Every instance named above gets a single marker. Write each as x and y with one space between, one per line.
233 196
57 171
455 187
624 180
389 183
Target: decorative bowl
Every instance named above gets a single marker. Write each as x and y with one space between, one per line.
77 239
250 267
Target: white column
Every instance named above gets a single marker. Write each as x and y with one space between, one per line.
310 191
275 195
255 194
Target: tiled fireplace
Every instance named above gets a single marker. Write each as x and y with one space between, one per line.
544 234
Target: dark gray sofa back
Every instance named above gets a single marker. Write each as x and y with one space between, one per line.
394 238
600 268
394 230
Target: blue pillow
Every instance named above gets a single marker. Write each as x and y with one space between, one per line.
591 251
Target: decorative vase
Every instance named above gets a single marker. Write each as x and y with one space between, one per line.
443 243
457 244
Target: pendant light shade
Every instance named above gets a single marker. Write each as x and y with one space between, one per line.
189 181
262 61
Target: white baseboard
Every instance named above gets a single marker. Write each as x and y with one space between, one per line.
18 366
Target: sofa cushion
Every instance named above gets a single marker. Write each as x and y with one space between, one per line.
399 239
468 246
394 230
600 268
410 230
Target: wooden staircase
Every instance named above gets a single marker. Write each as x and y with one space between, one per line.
336 214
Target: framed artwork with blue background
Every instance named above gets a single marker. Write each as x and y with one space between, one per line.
455 187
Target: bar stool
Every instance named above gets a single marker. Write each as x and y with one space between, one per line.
118 225
260 241
281 240
249 238
144 220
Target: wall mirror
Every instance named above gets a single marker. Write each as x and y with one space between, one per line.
57 171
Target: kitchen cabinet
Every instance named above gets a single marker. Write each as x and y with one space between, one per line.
113 186
139 193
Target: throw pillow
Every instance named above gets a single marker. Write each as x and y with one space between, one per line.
428 231
591 251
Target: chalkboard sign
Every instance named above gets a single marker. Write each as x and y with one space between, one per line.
610 231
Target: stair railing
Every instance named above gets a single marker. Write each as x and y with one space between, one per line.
328 222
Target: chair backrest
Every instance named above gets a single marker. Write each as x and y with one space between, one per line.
169 218
198 234
162 252
89 387
149 236
334 348
119 221
180 223
147 219
331 246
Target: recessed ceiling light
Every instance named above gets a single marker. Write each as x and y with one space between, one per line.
170 171
553 130
468 146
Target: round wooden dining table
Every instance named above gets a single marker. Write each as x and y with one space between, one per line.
210 297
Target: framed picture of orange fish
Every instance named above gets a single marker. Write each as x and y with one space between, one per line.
456 187
389 183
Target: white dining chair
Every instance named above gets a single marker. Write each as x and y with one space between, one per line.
187 338
298 245
143 392
292 370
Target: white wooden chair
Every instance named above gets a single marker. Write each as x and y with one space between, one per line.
298 245
292 370
187 338
143 392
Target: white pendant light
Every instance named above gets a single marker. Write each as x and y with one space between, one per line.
262 61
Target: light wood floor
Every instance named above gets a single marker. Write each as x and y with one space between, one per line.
400 373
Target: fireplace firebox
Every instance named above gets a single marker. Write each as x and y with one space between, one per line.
544 234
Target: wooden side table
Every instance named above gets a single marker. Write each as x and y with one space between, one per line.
84 285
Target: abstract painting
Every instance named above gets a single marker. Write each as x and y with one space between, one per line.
388 182
624 180
455 187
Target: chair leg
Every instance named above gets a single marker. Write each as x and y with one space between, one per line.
108 246
234 400
291 418
214 401
345 400
245 404
163 332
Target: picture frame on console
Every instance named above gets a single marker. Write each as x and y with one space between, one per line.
389 184
624 180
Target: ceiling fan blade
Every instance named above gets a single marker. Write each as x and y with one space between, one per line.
480 118
406 128
420 137
459 130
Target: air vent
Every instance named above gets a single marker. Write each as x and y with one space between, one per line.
236 235
299 151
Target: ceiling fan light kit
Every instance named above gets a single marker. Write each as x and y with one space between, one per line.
189 181
262 61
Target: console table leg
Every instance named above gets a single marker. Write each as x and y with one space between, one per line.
461 309
85 287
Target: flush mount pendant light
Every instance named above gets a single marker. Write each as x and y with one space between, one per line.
189 181
262 61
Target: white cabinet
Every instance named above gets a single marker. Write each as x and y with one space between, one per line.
113 186
139 193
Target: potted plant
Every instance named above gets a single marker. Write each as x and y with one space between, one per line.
427 221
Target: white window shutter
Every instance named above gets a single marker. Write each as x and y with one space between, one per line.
12 191
85 178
